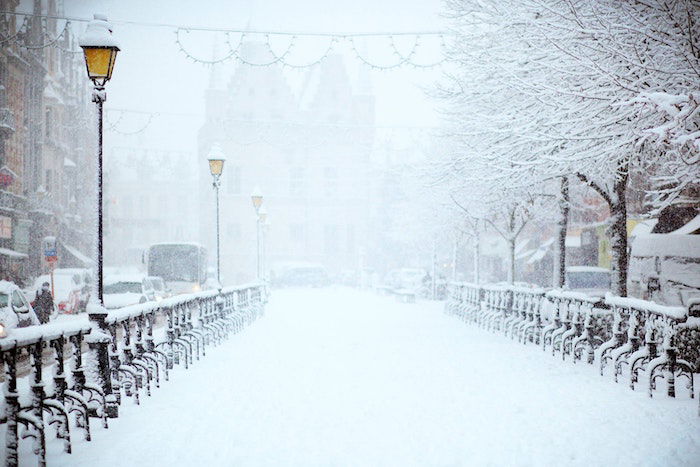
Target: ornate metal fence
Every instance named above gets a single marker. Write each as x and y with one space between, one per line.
100 361
630 337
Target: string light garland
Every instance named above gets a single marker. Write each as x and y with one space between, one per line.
50 42
281 59
113 126
20 32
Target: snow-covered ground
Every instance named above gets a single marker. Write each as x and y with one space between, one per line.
339 377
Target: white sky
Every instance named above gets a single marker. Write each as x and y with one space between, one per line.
151 74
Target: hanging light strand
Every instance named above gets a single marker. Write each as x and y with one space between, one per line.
20 31
233 52
51 41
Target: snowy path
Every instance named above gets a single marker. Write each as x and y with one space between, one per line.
337 377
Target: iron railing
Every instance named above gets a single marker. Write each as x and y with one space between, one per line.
100 361
631 336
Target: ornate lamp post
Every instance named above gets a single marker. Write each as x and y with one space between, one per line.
100 49
262 219
257 199
216 167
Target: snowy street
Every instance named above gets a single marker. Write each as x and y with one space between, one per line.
339 377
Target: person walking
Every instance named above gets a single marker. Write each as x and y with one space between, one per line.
43 303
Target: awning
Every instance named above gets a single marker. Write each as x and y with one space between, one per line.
12 253
78 255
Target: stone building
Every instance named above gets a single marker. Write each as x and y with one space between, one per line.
47 143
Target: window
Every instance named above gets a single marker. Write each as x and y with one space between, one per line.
330 176
296 233
18 302
233 184
47 123
350 240
233 231
331 239
296 181
126 206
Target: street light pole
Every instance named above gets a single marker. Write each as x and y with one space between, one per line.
100 50
98 97
262 219
257 199
216 167
218 237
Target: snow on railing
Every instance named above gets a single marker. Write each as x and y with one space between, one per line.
126 352
632 336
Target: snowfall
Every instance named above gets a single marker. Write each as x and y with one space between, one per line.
342 377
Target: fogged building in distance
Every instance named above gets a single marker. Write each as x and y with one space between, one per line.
307 150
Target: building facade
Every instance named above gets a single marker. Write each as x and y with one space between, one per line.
47 146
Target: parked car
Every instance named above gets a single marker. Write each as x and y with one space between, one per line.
15 310
124 290
665 267
156 289
406 278
71 289
590 280
301 274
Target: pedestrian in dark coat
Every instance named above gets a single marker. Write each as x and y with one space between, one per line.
43 304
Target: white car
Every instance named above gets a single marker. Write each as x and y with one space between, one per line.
124 290
591 280
15 310
71 287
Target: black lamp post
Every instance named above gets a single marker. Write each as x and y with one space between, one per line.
100 50
216 167
257 199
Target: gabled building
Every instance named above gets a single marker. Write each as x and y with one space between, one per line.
307 150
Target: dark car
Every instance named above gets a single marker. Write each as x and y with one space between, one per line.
302 275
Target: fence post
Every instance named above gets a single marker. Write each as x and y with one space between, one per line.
99 341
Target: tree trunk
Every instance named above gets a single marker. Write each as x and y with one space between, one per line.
618 231
563 224
455 246
511 260
477 252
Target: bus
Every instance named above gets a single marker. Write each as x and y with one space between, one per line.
183 266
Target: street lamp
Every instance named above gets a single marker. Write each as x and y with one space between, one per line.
100 49
216 167
262 218
257 198
265 235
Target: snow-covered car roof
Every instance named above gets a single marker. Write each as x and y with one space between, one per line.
7 287
123 278
586 269
71 271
